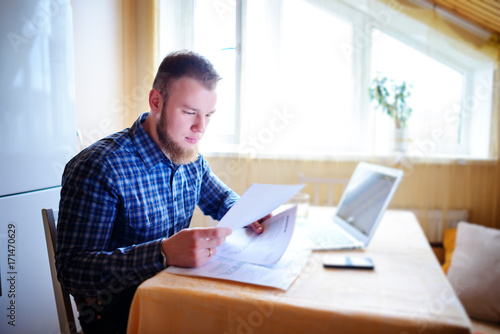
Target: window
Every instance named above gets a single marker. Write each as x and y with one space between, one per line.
209 28
446 112
296 75
215 38
436 89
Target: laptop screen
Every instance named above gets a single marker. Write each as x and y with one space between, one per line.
364 198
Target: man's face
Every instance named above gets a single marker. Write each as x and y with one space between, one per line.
184 119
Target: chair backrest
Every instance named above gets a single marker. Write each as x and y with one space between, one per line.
63 301
333 187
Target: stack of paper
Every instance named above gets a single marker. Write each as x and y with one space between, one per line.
248 257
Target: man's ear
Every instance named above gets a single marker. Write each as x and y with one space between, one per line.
154 100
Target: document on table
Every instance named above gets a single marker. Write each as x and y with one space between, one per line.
265 248
253 258
279 276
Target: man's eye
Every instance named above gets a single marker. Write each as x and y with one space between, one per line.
189 112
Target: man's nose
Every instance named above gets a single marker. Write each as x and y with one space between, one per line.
200 124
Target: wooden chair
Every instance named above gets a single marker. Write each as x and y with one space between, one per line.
332 186
64 306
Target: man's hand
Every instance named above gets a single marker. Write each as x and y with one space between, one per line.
257 227
193 247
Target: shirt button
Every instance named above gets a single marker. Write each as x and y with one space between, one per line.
175 198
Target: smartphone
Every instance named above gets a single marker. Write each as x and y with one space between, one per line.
347 262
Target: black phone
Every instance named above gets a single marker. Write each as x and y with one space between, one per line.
347 262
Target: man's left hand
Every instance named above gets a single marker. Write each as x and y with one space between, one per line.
257 225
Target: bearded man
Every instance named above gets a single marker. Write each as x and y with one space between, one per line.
128 199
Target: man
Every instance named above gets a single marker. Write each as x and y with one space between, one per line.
127 200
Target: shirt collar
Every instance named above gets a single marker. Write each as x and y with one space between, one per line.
150 154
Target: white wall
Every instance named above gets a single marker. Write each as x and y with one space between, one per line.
98 40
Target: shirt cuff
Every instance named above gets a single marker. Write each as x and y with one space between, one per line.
163 258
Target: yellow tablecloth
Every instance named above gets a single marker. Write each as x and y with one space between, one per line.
406 293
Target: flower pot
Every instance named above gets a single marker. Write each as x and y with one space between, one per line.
401 139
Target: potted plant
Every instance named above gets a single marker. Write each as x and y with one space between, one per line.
391 99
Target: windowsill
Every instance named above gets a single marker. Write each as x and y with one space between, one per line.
389 158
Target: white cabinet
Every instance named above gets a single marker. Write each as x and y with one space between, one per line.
27 299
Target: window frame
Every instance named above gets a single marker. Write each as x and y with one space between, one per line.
361 70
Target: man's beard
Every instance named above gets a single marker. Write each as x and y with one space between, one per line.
173 150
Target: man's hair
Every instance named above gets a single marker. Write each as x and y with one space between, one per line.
185 64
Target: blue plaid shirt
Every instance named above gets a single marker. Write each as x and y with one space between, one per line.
119 198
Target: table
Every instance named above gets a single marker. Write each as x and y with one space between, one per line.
406 293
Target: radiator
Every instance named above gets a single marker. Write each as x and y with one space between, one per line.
435 222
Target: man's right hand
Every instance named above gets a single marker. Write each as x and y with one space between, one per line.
193 247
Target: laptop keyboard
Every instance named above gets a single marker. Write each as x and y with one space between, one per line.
329 237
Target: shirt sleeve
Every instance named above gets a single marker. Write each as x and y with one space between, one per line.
87 212
216 198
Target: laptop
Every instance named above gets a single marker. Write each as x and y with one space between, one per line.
361 207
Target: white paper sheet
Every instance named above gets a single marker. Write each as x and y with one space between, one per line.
280 276
256 202
237 257
266 248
